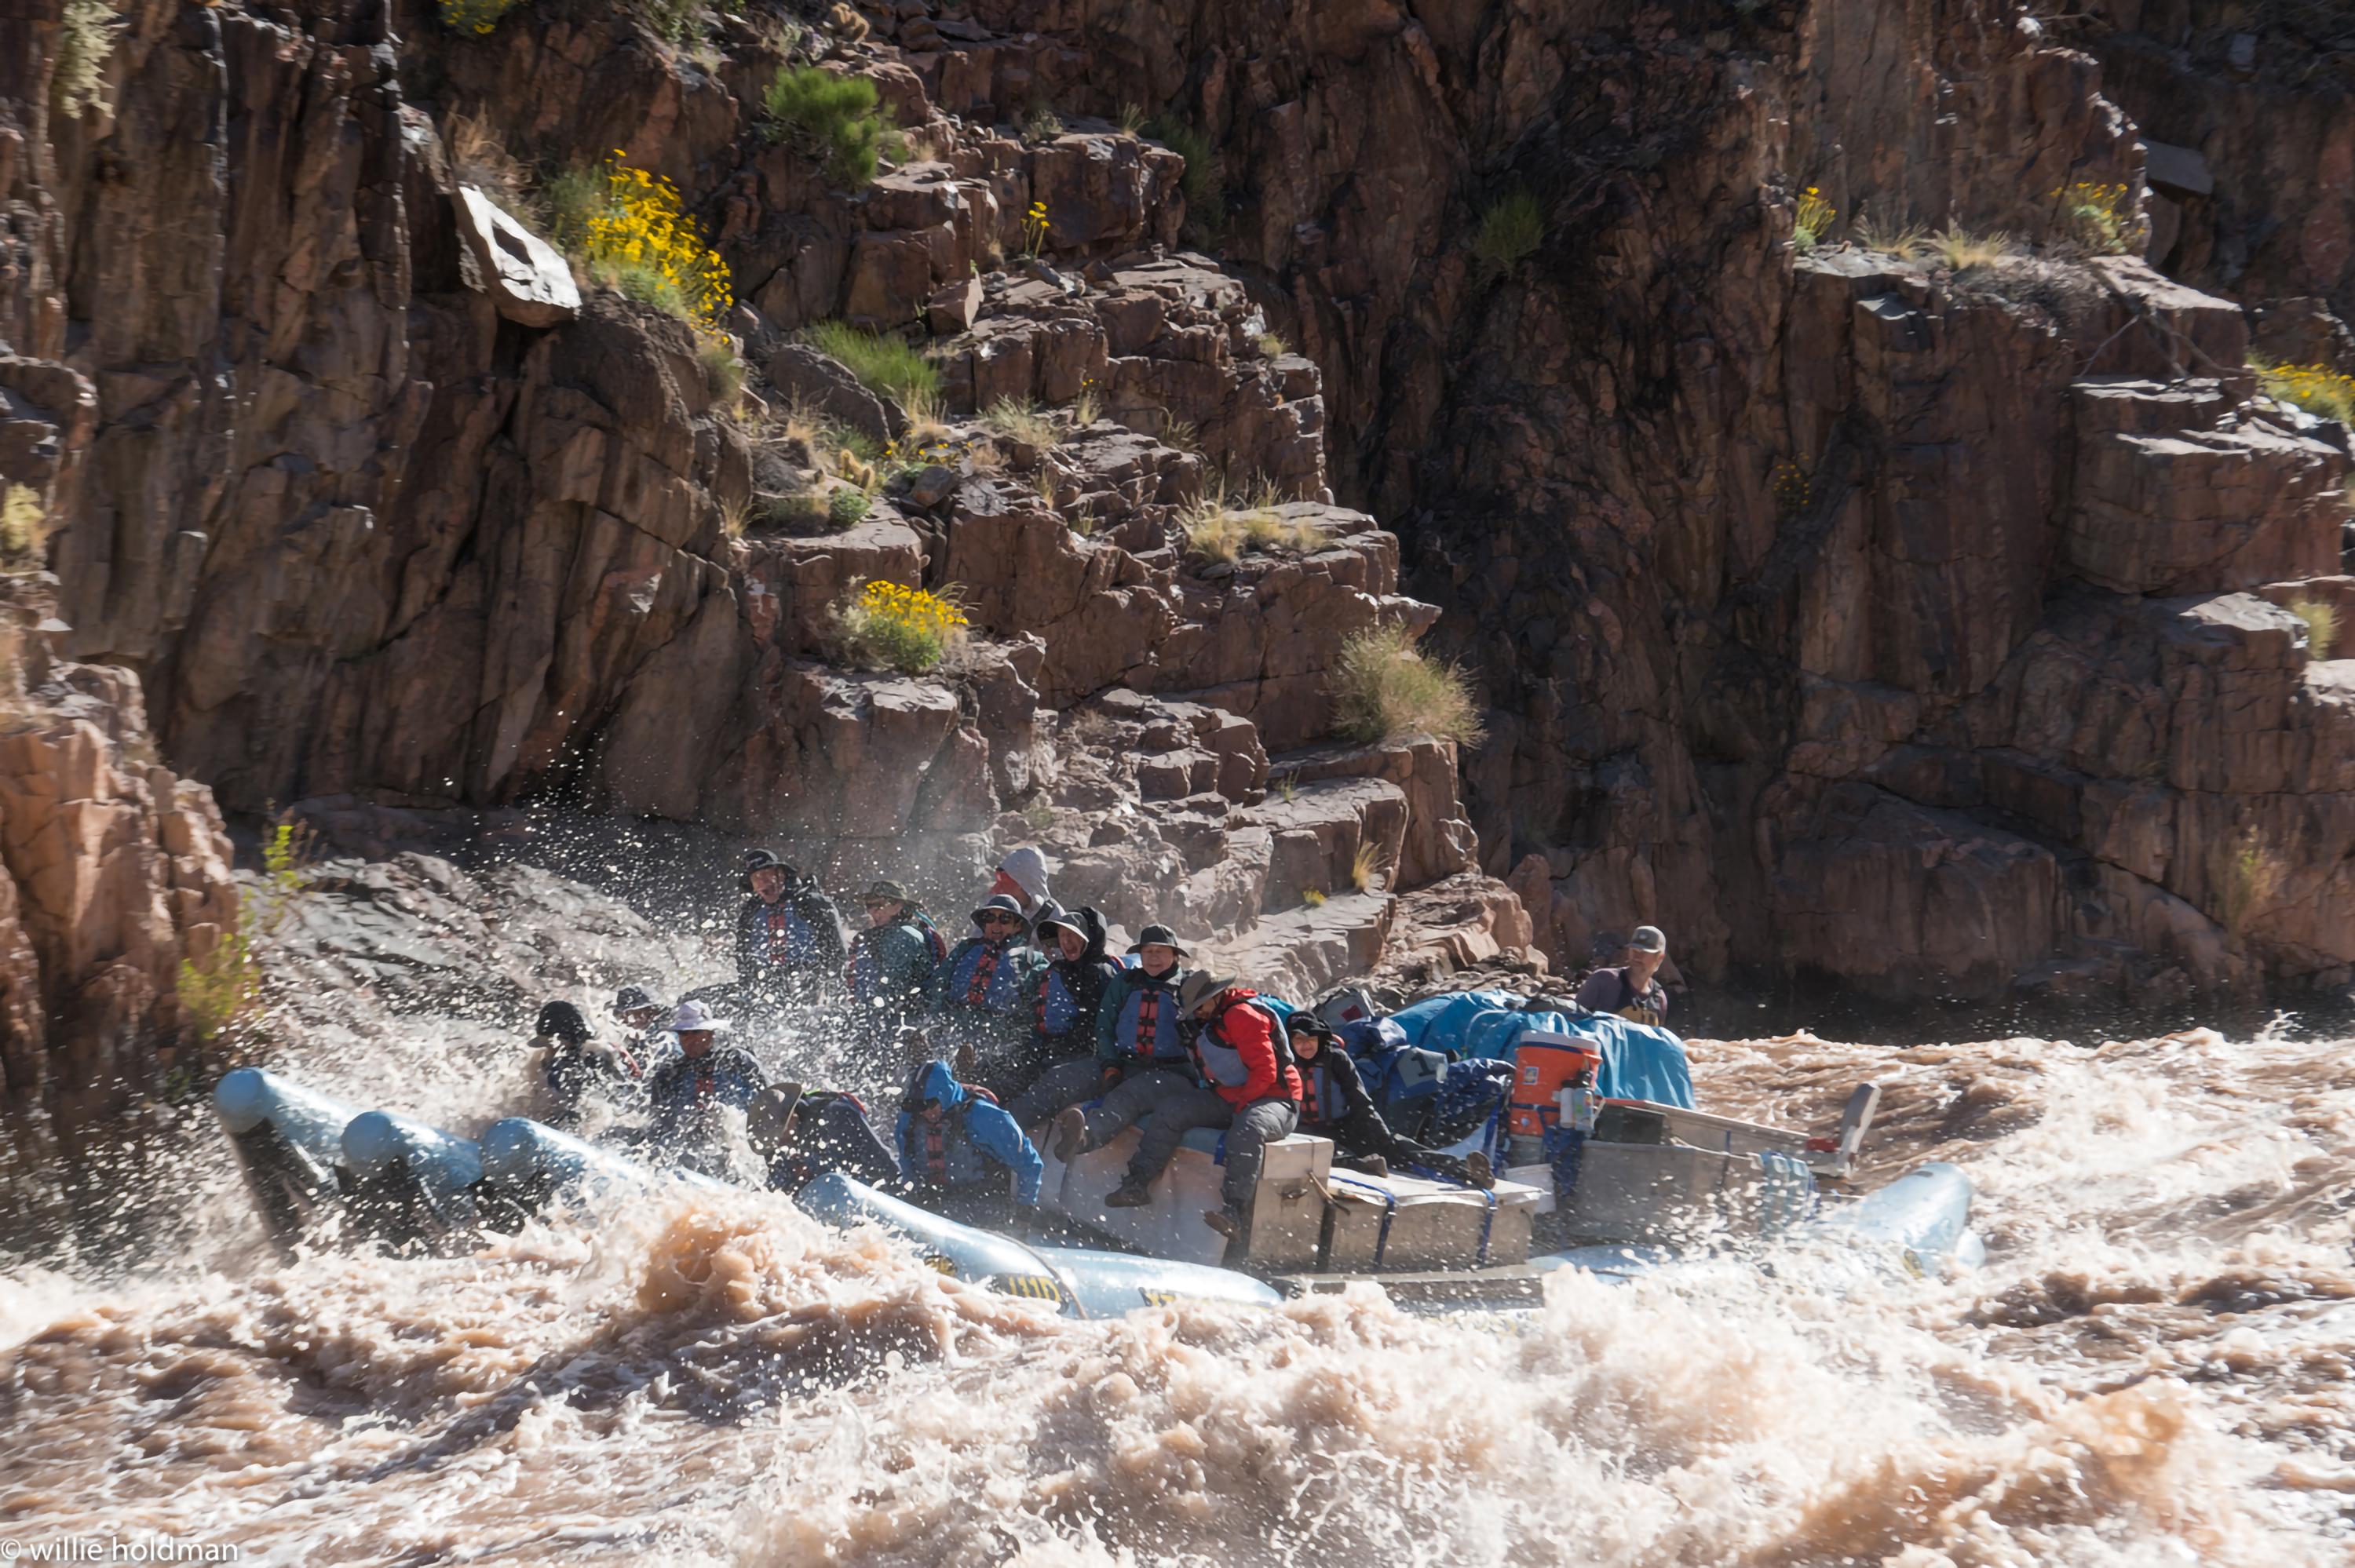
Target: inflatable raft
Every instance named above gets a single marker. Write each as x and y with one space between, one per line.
1645 1194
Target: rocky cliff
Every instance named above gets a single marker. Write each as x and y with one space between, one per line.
1915 620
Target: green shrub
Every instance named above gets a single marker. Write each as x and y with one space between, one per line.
1383 689
1204 183
846 507
1022 422
474 17
886 365
723 372
672 21
2321 620
837 117
85 39
1041 125
2246 875
1813 221
1510 232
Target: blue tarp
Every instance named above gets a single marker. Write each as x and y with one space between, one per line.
1639 1063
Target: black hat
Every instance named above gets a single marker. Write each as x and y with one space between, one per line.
1158 936
631 999
1055 915
761 859
563 1020
996 904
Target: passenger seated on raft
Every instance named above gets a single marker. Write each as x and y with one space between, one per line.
891 962
1335 1105
1139 1040
1245 1084
1070 995
805 1134
985 991
959 1152
1631 991
647 1025
575 1065
789 943
689 1090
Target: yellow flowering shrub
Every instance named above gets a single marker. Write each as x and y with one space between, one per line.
1813 221
884 626
476 17
626 228
2317 389
2101 218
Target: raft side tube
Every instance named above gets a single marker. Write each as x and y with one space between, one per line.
1089 1283
289 1143
528 1162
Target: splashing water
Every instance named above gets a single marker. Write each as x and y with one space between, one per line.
2153 1369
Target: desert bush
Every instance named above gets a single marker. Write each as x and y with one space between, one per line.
1383 688
1131 121
1041 125
1366 866
886 627
886 365
2321 620
1088 406
85 38
226 985
2317 389
672 21
2245 875
477 18
2099 217
723 372
1273 344
1957 248
1813 221
838 118
1220 526
1020 421
1510 231
24 529
1204 182
1905 241
626 228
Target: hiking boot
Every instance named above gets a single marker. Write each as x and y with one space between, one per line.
1131 1194
1070 1133
1226 1222
1478 1171
1373 1165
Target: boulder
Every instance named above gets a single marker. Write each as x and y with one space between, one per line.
525 277
825 386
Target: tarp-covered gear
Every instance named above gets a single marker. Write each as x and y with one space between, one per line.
971 1136
1638 1063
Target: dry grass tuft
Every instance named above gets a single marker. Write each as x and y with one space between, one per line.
1383 688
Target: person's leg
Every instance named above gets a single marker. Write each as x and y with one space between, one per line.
1178 1113
1130 1103
1255 1126
1064 1084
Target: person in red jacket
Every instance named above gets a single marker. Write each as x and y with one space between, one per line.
1247 1086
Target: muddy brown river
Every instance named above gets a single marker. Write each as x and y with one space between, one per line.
2152 1368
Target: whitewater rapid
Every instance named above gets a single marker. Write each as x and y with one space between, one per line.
2152 1368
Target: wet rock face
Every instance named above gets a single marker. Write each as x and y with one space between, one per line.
112 870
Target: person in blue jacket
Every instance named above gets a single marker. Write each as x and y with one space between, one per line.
986 996
959 1153
1070 992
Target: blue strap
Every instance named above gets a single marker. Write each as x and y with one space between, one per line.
1218 1154
1390 1211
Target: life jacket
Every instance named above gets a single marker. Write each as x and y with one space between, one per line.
932 933
1323 1102
980 984
934 1164
1212 1037
1148 1021
790 941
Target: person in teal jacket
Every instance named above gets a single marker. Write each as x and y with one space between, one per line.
891 962
959 1152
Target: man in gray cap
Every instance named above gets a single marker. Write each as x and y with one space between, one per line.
1632 990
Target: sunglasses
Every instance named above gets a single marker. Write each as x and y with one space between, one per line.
1001 921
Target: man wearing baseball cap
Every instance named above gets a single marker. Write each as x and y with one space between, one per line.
1631 989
